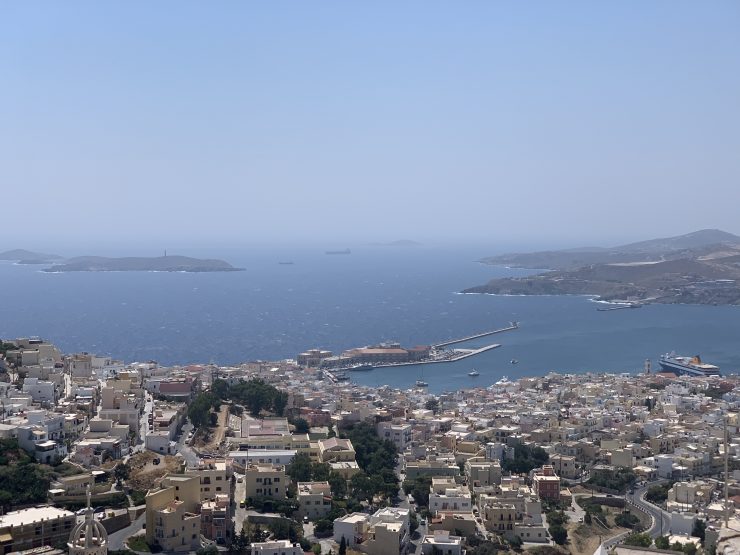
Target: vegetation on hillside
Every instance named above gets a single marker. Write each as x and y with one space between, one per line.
256 395
22 480
525 459
619 480
377 460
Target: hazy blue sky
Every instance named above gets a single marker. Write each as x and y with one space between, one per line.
240 122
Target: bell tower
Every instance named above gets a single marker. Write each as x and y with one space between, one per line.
88 537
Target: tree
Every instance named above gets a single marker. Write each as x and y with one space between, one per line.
343 547
558 534
338 485
699 531
525 459
626 520
122 471
279 402
587 518
323 527
301 425
432 405
220 388
658 493
639 540
200 408
210 550
299 469
662 542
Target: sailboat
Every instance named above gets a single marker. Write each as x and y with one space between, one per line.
420 382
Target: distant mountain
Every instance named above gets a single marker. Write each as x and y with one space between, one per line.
142 264
28 257
695 240
698 268
671 248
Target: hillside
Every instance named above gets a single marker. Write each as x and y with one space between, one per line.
691 269
690 245
142 264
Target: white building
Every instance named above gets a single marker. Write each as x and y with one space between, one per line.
281 547
442 543
41 391
399 434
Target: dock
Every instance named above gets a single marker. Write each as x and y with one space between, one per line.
513 326
459 354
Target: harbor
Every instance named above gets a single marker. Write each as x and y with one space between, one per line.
435 354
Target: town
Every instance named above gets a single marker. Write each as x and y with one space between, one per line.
100 456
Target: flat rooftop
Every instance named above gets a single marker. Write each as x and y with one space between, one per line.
32 514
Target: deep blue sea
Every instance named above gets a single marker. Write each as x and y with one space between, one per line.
272 311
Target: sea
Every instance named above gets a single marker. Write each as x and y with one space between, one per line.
289 300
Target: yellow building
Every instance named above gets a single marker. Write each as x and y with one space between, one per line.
173 514
266 480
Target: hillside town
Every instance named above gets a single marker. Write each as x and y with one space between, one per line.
102 456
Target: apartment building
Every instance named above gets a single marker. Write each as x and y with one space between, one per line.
35 527
266 480
314 499
214 475
399 433
173 519
545 483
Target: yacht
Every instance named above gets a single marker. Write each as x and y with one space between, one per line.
421 383
473 373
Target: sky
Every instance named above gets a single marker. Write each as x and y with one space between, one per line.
238 123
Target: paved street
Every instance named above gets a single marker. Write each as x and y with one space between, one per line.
116 539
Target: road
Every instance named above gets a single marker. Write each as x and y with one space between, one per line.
116 539
190 456
661 520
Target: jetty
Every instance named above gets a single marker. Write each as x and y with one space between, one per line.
513 326
456 354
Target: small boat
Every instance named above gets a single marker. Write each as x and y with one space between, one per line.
473 373
343 251
421 383
286 263
514 361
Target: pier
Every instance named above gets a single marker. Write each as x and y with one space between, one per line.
513 326
459 354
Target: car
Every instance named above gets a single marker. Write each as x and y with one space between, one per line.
241 504
422 522
156 461
305 519
240 480
580 519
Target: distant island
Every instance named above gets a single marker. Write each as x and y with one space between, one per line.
142 264
698 268
22 256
